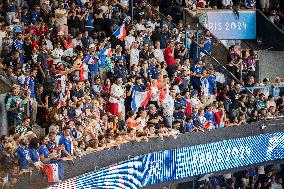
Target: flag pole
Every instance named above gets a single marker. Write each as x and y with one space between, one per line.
132 7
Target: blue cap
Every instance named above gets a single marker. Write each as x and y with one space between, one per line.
193 92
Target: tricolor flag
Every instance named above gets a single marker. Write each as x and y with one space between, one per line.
54 172
106 51
120 33
140 99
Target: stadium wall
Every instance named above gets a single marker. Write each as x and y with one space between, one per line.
105 158
271 64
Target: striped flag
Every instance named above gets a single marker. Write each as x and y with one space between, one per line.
140 99
53 172
106 51
120 33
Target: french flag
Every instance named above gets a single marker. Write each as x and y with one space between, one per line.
120 33
54 172
106 51
140 99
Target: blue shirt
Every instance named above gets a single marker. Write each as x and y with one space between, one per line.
212 84
22 155
89 21
184 85
17 45
85 42
36 16
34 155
17 29
93 65
189 126
43 150
11 7
102 58
210 116
1 148
139 88
120 71
67 145
207 44
26 19
276 92
196 80
197 69
116 58
51 145
153 72
30 82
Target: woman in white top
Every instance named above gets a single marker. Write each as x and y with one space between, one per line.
158 53
117 96
134 54
57 53
155 93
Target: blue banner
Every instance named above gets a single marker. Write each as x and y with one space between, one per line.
228 25
181 163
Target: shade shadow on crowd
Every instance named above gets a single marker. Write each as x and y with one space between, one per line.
69 98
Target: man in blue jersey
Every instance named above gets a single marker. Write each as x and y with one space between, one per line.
93 64
45 156
65 143
22 154
89 18
206 43
211 78
196 75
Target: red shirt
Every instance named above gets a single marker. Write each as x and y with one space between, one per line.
218 116
169 58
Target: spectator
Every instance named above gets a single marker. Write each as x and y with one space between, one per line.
79 88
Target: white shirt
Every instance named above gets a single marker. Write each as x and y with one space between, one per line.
195 101
159 54
152 25
205 87
49 44
176 88
142 122
168 106
77 42
124 2
62 19
57 53
220 77
154 94
134 57
128 41
227 3
140 27
117 91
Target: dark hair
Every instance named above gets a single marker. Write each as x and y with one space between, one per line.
25 118
131 113
65 128
34 143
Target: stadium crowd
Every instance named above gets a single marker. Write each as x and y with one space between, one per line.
54 55
265 177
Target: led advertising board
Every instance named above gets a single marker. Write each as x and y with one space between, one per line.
227 25
169 165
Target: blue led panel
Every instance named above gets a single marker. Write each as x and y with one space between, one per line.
169 165
226 25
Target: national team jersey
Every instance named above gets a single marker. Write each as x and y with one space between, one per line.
34 155
67 142
22 155
43 150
